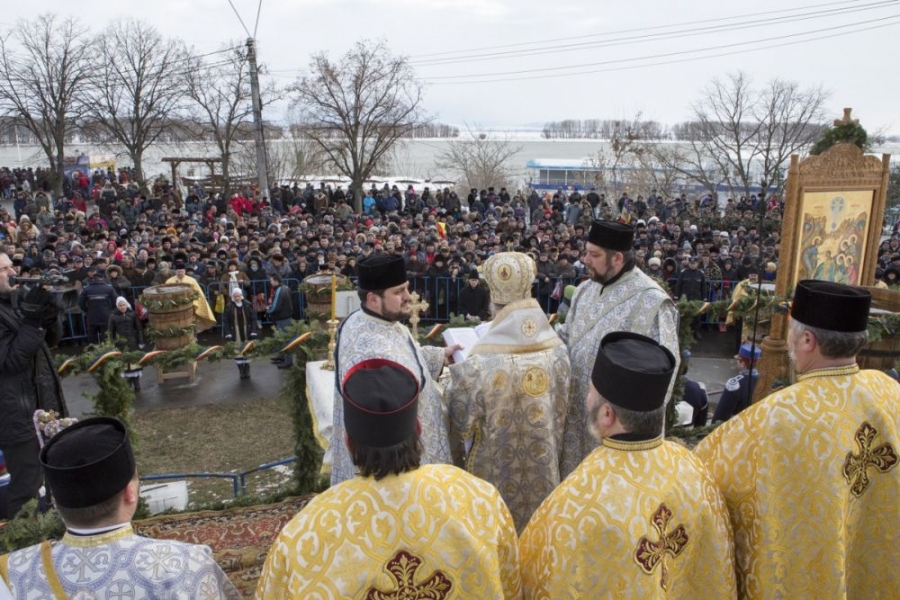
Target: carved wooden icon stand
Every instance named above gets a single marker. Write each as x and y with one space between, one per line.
841 168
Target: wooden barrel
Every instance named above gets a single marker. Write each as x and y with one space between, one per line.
317 289
179 314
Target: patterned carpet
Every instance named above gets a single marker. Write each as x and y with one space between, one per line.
239 537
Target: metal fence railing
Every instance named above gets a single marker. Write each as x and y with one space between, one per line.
441 293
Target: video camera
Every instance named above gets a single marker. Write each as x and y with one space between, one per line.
65 295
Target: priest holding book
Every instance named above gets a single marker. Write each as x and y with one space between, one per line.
507 400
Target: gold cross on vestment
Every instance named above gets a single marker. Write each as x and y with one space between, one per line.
649 554
846 120
856 466
417 308
402 570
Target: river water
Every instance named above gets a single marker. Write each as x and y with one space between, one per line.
414 159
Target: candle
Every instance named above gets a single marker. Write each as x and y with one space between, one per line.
333 296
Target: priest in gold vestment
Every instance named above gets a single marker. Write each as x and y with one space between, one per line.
508 398
618 297
810 473
640 517
397 529
203 314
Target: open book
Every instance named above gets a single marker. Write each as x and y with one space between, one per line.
465 337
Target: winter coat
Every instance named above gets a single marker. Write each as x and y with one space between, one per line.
282 306
240 322
28 379
97 301
126 326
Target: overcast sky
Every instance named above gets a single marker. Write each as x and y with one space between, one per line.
859 69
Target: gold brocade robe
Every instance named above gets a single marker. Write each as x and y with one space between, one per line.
509 397
634 520
810 478
436 532
203 314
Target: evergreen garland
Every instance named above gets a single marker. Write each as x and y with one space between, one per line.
152 304
851 132
170 332
30 527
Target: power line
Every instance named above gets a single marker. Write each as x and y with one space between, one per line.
668 62
664 55
652 37
258 12
238 15
634 30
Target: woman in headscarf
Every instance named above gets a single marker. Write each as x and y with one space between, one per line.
240 326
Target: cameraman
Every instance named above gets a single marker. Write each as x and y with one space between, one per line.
28 381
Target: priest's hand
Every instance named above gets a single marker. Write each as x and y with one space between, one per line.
448 353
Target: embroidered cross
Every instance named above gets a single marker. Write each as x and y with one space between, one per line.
402 568
856 466
649 554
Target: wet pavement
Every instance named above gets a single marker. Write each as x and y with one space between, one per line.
219 383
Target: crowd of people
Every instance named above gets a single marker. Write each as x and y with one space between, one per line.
105 220
540 468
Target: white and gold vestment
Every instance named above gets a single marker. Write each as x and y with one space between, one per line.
509 399
635 303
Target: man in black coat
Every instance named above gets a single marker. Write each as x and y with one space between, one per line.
97 301
474 299
28 381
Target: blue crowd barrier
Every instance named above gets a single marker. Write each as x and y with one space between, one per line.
441 293
238 480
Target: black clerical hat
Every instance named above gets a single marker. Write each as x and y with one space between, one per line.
611 235
633 371
88 462
381 400
831 306
381 271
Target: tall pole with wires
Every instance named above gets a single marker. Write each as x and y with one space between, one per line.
261 166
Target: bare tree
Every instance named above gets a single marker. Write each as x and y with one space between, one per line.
44 69
134 96
220 91
744 136
357 109
481 160
627 145
689 162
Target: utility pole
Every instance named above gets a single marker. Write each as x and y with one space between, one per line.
261 177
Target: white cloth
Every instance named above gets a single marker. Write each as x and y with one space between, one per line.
320 396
